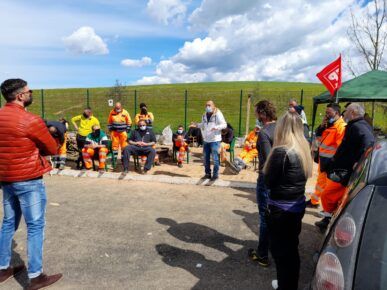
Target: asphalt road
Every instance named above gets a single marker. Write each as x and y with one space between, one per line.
106 234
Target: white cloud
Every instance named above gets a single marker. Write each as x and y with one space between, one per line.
287 40
137 62
85 41
167 11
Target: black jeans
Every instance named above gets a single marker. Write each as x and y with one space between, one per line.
148 151
81 140
284 228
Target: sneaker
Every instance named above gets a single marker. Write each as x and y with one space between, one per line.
180 165
43 281
274 284
323 224
125 171
214 178
207 176
61 167
253 255
309 204
10 272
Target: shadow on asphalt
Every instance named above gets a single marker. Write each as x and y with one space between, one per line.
233 272
16 260
160 172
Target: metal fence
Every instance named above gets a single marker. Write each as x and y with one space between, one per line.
173 107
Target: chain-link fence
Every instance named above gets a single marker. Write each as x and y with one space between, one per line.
172 106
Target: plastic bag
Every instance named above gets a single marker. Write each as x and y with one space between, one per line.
166 138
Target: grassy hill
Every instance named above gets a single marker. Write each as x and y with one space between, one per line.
167 102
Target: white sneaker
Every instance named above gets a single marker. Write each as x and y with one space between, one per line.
274 284
324 214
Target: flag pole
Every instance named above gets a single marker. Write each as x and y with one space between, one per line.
337 96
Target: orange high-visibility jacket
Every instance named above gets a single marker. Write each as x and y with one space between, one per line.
251 139
148 118
331 139
119 121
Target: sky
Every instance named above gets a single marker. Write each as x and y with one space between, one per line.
93 43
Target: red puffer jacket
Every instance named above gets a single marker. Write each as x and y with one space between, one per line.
24 140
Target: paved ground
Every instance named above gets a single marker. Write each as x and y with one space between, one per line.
107 234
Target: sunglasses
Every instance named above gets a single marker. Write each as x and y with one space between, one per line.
29 91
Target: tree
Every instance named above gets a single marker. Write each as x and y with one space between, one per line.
368 33
117 92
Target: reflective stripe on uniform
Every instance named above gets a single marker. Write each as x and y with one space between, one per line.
327 155
323 146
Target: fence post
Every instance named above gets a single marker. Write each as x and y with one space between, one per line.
302 96
135 103
42 100
240 114
185 109
87 98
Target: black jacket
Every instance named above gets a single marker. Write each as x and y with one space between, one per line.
264 143
358 137
60 130
146 136
285 176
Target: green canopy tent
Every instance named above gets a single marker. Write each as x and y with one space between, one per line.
368 87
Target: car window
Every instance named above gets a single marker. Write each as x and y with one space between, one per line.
359 176
371 269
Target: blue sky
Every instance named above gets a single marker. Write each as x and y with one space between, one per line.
92 43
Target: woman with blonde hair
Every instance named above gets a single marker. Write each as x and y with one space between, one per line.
286 171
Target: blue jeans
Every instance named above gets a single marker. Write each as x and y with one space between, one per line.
262 196
211 148
27 198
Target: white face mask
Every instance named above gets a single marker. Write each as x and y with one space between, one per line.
142 128
179 131
208 109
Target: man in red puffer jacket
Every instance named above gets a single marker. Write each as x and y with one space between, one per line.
24 141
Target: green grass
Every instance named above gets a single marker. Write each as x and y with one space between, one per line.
167 102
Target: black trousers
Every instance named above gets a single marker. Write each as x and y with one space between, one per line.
81 140
284 228
148 151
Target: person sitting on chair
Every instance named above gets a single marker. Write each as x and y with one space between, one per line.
227 137
180 144
141 143
249 151
58 130
96 143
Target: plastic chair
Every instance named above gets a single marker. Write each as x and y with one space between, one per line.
232 149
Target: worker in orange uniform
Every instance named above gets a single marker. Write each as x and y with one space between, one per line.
329 136
119 123
148 117
358 137
96 143
249 151
180 144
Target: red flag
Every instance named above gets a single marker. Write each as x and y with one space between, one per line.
330 76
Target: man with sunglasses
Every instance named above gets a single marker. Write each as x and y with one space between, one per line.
24 141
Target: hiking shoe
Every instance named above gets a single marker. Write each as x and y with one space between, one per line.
43 281
10 272
309 204
253 255
323 224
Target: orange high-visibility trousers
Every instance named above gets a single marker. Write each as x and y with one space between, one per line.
88 154
319 188
332 195
248 155
182 148
119 139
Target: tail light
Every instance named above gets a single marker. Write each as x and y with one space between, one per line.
329 273
345 231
